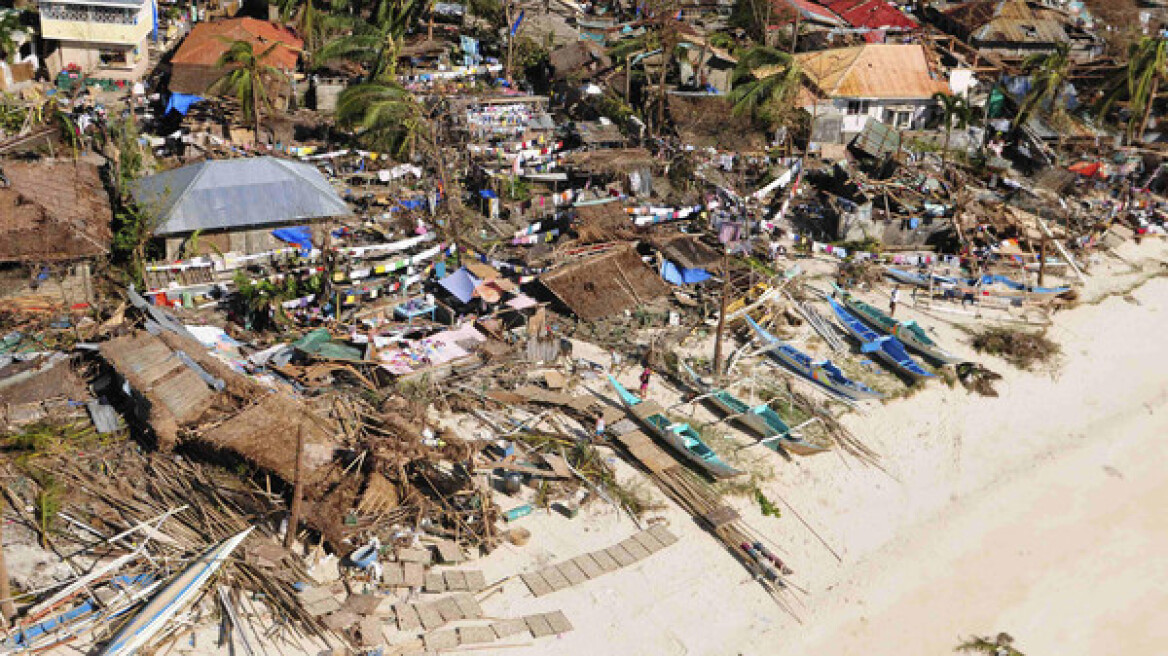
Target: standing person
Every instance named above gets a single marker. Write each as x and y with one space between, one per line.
646 374
600 426
892 299
615 356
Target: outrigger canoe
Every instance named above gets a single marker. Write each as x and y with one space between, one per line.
174 597
682 437
760 420
822 372
908 332
888 348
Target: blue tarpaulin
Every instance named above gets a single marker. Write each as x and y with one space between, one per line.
676 275
300 236
181 102
461 284
487 193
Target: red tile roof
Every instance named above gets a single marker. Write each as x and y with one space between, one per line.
207 41
873 14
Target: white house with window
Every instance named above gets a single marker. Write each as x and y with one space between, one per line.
891 83
106 38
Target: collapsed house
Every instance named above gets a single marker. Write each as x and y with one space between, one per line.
605 284
51 234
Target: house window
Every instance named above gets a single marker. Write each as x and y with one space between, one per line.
112 58
858 107
902 119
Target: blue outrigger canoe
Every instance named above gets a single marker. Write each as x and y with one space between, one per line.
823 372
887 347
682 437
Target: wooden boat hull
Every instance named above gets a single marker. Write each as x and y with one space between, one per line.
825 374
899 330
170 600
653 419
888 348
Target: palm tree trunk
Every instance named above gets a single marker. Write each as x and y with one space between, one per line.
945 148
1148 109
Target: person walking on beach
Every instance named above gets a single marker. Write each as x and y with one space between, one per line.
600 426
646 374
615 356
892 299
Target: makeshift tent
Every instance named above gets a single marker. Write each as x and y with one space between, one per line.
232 194
461 285
676 275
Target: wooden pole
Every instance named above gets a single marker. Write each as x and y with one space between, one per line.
722 312
7 608
297 491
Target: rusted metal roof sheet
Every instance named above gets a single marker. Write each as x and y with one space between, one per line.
889 71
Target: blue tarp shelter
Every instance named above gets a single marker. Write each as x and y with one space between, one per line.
461 285
676 275
298 235
181 102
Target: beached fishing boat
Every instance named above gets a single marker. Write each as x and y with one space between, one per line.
888 348
823 372
920 280
760 420
908 332
181 591
988 280
682 437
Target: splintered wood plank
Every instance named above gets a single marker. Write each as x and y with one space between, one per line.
536 583
605 560
635 549
647 452
435 582
449 610
429 616
538 625
572 572
445 639
558 621
407 617
475 580
475 635
663 534
468 606
648 541
391 575
414 574
455 580
508 628
587 565
621 555
555 578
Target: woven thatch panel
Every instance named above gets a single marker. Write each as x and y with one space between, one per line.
606 284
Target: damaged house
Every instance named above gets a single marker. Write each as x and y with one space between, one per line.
605 284
890 83
51 234
234 205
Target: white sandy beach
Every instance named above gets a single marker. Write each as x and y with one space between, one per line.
1038 513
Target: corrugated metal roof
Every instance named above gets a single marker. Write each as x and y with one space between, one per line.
874 14
207 41
235 194
891 71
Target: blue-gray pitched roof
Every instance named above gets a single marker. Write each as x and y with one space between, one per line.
236 194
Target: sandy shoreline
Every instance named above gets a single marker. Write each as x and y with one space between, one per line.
1035 513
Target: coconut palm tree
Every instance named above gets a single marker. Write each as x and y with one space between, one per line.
378 49
383 114
9 26
247 76
1147 67
765 83
954 109
1049 71
1000 645
662 35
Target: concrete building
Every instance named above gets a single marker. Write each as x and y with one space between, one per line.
105 38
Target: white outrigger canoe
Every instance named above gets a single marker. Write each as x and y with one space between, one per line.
173 598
